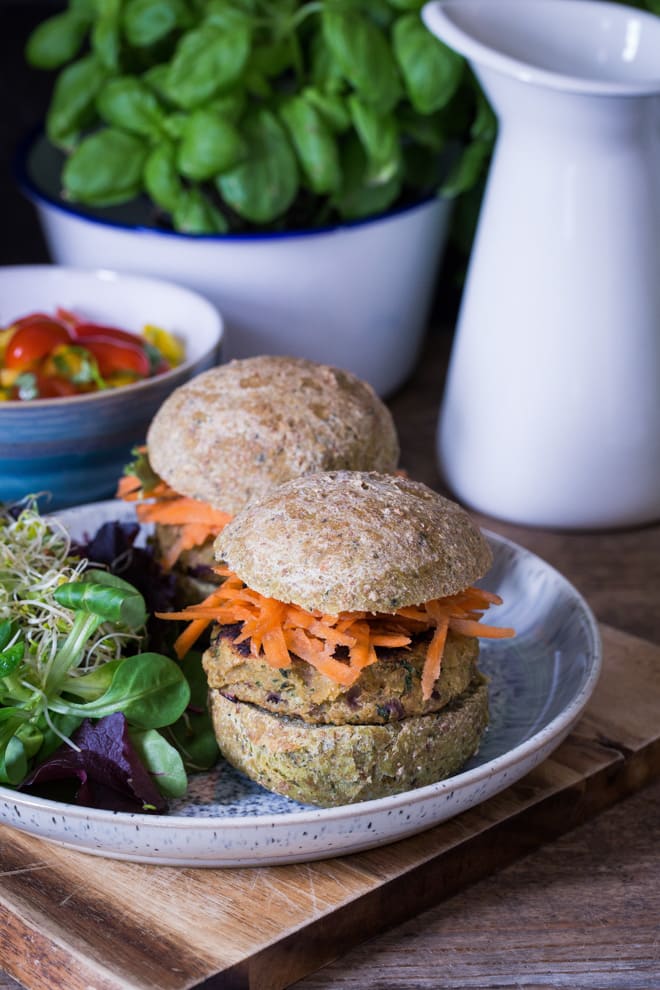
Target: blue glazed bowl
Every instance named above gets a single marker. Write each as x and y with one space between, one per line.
73 450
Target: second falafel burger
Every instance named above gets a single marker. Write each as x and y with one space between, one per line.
343 659
234 432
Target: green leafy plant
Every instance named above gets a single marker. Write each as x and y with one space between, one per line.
235 114
70 654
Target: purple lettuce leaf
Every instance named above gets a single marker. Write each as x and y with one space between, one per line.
105 771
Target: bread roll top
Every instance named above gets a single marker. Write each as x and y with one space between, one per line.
354 541
234 432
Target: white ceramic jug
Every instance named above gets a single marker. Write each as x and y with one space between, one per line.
551 413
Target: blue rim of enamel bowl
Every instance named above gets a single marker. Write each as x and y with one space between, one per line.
33 192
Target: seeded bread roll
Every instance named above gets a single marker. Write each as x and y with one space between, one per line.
330 765
352 541
238 430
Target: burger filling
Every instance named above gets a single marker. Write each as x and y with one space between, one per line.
387 691
342 646
183 524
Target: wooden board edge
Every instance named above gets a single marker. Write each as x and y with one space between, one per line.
427 884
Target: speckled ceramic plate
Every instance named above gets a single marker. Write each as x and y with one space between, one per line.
540 683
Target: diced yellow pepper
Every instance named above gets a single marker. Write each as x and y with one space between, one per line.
5 337
8 376
122 378
172 349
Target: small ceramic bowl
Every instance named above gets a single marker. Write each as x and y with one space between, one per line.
72 450
356 295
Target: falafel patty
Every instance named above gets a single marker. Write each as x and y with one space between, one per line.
387 691
330 765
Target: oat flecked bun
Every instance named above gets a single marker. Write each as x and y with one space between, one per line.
239 429
351 541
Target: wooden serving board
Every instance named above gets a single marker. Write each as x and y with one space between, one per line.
74 921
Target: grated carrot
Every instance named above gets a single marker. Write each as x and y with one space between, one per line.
197 521
275 629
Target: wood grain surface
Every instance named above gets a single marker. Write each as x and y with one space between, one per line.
72 921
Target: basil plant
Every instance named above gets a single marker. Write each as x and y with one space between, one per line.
233 115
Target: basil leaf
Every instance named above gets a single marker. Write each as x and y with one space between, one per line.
332 108
426 131
161 176
105 33
73 103
227 14
125 102
193 214
314 144
363 53
432 72
407 4
356 198
155 79
467 170
146 22
273 58
379 135
263 186
326 72
105 168
207 61
209 146
229 105
57 40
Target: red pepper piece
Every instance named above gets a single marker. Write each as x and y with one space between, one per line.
114 355
82 331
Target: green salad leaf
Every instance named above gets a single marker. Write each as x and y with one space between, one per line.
71 654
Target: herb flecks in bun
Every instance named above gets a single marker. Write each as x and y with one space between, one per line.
238 430
343 593
350 541
233 433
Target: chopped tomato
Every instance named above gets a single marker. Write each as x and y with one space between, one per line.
44 356
32 341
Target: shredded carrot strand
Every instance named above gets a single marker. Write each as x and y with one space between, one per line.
187 639
197 521
275 630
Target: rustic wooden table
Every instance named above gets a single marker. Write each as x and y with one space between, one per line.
582 911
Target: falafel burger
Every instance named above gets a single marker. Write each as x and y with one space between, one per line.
343 656
236 431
